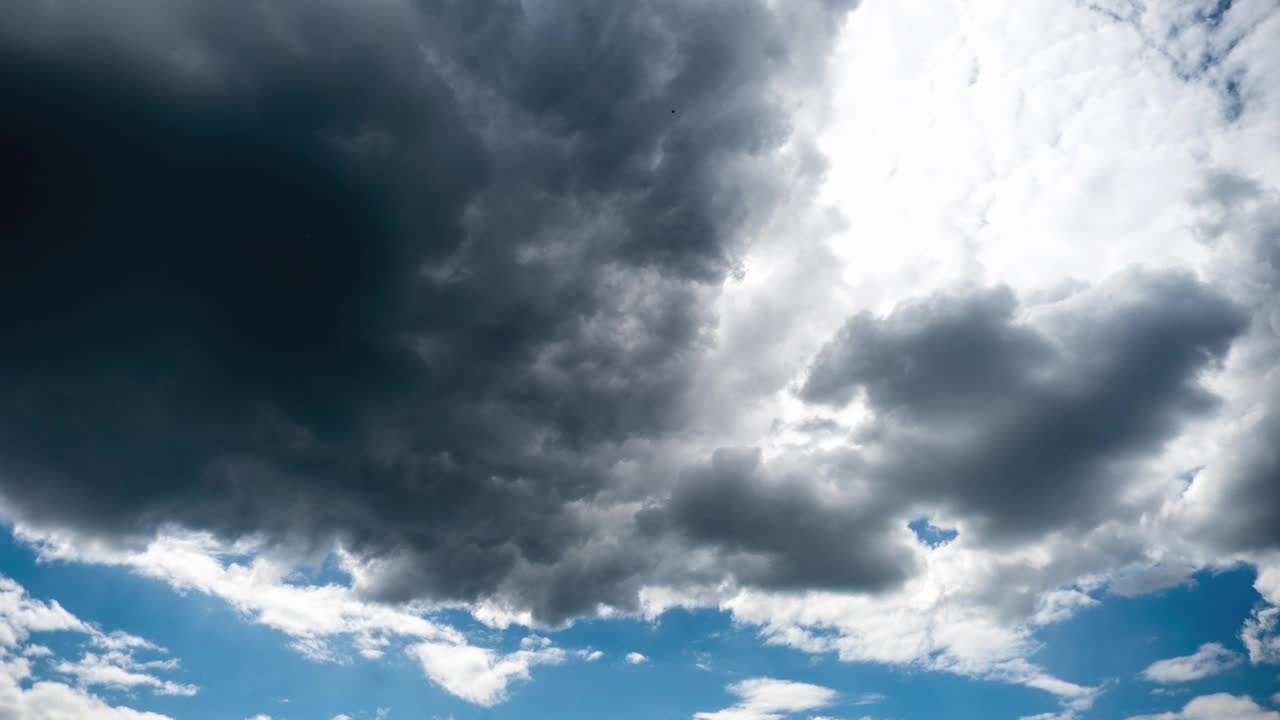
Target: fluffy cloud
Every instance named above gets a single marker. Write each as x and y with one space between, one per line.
46 700
28 695
1221 706
1209 659
310 614
635 658
316 617
770 699
1261 631
403 295
480 675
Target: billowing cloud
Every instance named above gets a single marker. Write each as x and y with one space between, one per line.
1221 706
1024 429
402 293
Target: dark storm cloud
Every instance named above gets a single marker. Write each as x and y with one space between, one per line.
409 275
786 531
1027 428
938 356
1250 500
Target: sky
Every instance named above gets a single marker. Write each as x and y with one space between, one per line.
693 359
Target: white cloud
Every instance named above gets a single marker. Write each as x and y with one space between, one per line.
47 700
948 618
480 675
120 671
1217 707
1261 631
769 699
1058 605
26 696
590 655
1209 659
116 666
635 658
310 614
868 699
20 615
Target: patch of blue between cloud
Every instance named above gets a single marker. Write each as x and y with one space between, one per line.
1110 644
931 534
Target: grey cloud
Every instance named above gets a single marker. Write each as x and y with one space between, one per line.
424 277
409 275
1020 421
938 355
1025 428
784 529
1241 217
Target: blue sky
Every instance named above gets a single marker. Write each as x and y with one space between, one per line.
691 359
244 669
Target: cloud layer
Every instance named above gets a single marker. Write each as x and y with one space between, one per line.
550 310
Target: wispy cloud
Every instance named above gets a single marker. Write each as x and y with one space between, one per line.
1209 659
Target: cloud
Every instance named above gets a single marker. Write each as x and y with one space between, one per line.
26 694
550 310
1209 659
1019 429
635 658
765 522
1220 706
46 700
312 615
1034 467
769 699
120 671
480 675
1261 630
401 295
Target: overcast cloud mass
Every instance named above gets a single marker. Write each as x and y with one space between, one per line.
547 311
